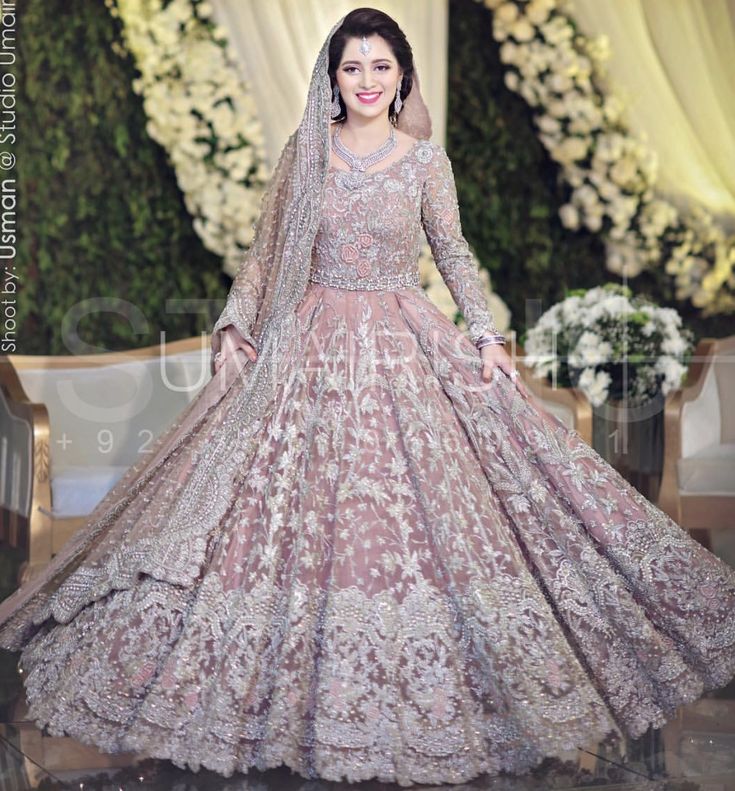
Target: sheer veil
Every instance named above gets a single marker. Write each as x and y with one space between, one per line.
279 258
210 442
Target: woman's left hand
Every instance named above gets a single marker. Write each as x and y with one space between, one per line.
494 354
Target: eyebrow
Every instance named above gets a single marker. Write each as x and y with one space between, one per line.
375 60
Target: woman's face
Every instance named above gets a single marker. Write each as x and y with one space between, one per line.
376 72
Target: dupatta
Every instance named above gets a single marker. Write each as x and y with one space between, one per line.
140 529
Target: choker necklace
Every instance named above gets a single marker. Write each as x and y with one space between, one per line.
356 175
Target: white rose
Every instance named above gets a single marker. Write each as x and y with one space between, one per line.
548 124
507 13
179 10
585 196
595 385
674 345
557 108
608 190
609 147
512 80
570 150
538 13
570 308
580 126
618 231
536 58
620 210
557 30
569 216
500 32
623 171
528 93
522 30
509 52
560 83
593 222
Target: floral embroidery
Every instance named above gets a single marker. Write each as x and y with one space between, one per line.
422 201
348 253
398 571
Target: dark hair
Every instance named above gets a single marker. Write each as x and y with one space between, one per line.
368 22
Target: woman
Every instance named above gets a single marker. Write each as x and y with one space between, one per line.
364 551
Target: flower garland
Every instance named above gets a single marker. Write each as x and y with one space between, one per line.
612 175
202 113
587 338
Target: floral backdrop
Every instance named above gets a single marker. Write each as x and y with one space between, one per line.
611 175
201 112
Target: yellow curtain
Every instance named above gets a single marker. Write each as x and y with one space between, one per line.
674 62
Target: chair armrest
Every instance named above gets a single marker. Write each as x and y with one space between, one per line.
45 394
570 398
669 499
25 483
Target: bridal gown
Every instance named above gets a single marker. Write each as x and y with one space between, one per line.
419 576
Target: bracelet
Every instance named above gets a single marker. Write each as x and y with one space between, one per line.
488 340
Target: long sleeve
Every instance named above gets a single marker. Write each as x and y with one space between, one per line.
246 294
243 300
441 221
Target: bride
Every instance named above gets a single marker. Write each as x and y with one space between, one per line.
364 550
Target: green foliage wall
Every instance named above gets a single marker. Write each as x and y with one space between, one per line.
510 191
101 215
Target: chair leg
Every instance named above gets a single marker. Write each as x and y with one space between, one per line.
588 762
671 737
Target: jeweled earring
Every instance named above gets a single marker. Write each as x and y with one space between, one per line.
336 109
398 103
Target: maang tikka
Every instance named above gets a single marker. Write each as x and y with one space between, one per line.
365 48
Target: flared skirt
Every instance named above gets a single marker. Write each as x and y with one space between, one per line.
415 576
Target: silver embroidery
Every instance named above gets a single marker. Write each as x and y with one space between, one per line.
358 247
392 570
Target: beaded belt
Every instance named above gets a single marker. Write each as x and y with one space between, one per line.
363 280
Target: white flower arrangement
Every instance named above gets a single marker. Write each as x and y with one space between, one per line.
591 336
611 175
202 113
438 292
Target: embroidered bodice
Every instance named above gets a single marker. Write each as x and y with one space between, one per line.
370 238
371 234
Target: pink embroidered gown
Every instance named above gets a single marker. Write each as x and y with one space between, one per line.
418 577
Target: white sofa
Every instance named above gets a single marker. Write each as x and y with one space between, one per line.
71 425
698 482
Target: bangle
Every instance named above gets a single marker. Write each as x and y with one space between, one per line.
487 340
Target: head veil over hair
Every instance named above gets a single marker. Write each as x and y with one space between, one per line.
274 274
130 532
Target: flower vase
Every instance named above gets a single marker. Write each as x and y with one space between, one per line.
629 436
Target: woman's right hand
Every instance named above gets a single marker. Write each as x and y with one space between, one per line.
231 342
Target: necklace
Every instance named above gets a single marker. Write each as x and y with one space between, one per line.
358 165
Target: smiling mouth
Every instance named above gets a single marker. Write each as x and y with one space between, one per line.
369 97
